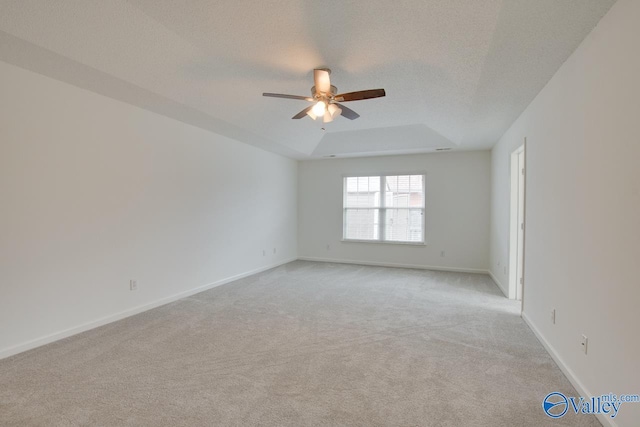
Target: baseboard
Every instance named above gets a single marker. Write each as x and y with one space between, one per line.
495 279
7 352
391 264
573 379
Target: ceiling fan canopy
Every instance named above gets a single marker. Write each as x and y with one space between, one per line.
326 99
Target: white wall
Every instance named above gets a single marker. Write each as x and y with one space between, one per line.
95 192
457 210
583 209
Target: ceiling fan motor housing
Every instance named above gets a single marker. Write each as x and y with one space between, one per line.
319 95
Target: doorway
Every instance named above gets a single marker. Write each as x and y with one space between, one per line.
517 226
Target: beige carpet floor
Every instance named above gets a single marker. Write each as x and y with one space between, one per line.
305 344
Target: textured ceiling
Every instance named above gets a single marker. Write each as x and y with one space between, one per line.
457 73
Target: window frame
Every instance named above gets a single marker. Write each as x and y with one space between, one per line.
383 176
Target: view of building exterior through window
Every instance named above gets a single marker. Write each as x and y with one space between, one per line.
384 208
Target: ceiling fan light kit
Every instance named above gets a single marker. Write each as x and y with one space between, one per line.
319 109
326 100
334 109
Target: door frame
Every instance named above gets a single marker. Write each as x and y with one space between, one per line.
517 209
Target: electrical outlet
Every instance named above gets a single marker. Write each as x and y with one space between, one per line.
442 253
264 252
584 341
133 285
553 316
328 247
274 251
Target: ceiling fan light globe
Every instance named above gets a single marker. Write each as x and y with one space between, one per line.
333 110
319 109
311 114
327 117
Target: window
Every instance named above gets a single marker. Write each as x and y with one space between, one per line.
385 208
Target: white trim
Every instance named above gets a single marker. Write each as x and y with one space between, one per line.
394 265
365 174
513 245
573 379
502 288
28 345
384 242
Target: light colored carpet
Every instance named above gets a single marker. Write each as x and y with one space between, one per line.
303 344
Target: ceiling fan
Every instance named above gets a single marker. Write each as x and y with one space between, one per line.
325 99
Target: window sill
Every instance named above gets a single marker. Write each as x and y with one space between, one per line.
385 242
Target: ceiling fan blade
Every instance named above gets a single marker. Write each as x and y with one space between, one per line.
359 95
281 95
348 112
302 113
321 80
